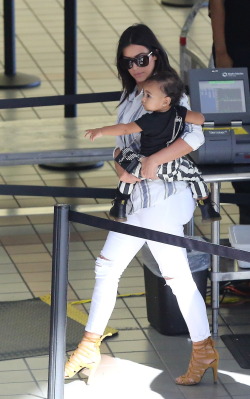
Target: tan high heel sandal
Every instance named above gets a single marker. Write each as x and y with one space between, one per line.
204 356
87 355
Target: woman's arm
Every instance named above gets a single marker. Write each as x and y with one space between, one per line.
176 150
195 117
193 134
114 130
217 14
191 140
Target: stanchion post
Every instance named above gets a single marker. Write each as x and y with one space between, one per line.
9 38
10 79
215 285
58 316
70 54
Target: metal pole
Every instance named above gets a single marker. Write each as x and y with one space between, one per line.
9 38
215 285
58 316
70 54
70 67
189 228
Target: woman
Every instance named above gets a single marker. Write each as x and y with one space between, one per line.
154 204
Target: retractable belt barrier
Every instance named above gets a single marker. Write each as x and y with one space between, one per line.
60 100
52 191
107 193
79 192
148 234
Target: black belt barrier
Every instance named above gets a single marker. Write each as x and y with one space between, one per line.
81 192
60 100
52 191
86 192
148 234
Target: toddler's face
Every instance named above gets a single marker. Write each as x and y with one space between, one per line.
153 98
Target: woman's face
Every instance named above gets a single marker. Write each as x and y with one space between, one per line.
140 74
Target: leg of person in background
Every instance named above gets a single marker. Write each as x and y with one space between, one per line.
243 187
241 58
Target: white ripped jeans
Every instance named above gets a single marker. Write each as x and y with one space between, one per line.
120 249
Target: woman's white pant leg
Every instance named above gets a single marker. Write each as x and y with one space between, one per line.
118 251
173 262
192 307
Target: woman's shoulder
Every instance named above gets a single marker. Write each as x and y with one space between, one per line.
184 101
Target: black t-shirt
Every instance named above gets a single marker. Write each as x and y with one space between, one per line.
160 128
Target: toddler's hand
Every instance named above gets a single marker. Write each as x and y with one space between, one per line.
92 134
128 178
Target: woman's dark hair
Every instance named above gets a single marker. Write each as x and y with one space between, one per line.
143 36
170 84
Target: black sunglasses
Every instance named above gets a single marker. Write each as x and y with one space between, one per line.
141 61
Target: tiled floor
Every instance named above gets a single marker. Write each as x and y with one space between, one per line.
139 362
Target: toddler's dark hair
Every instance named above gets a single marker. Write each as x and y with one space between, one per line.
170 84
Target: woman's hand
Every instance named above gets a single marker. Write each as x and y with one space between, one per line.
149 168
